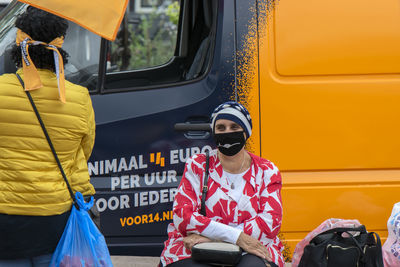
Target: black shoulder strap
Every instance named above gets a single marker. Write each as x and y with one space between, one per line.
379 258
49 141
205 187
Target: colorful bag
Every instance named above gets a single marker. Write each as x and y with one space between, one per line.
81 244
391 248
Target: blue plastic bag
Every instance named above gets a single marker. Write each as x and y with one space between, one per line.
81 244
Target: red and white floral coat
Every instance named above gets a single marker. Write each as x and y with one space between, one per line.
258 212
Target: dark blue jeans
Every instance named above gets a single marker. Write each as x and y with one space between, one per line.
26 237
39 261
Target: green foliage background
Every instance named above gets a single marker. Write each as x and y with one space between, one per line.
151 43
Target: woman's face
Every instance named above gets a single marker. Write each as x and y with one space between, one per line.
226 126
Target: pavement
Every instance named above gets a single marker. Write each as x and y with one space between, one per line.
131 261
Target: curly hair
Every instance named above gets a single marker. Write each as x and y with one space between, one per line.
41 26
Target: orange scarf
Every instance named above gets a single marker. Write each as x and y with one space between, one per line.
32 78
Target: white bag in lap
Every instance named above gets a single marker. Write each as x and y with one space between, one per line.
391 248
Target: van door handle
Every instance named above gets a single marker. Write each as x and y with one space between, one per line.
194 130
187 126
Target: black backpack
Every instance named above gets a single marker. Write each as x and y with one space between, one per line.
343 247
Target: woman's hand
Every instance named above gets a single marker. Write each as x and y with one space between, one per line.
253 246
193 239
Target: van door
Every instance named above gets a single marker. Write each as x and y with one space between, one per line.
164 68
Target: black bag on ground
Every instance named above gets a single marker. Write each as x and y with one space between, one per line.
343 247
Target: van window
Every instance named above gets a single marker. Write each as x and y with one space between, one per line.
3 4
7 37
83 48
170 44
147 37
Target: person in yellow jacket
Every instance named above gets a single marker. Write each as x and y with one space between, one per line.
34 199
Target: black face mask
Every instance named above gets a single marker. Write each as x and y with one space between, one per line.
230 144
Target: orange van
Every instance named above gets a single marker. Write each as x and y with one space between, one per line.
324 79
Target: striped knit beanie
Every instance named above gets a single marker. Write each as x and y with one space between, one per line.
233 111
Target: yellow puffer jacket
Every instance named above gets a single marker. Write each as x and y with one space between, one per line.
30 181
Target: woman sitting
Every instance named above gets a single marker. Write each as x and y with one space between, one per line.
243 202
